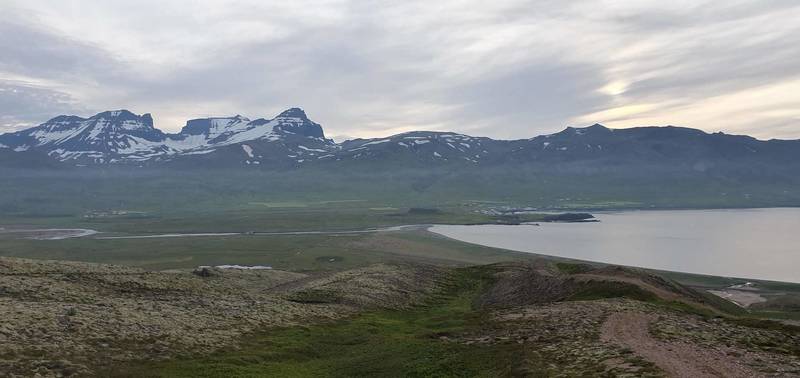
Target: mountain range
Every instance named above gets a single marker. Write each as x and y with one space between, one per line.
291 139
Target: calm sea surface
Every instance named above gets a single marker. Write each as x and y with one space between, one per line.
752 243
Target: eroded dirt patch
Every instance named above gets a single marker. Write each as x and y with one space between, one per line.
677 359
567 336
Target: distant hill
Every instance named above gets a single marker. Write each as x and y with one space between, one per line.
119 160
291 140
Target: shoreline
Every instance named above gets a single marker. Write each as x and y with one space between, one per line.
737 277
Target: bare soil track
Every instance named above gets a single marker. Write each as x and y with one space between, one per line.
677 359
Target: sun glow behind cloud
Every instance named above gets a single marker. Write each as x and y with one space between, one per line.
777 105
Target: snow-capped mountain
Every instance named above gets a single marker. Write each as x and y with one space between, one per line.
123 137
205 133
423 146
291 139
288 139
104 138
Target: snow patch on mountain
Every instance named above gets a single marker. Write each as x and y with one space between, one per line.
248 150
377 142
311 149
201 152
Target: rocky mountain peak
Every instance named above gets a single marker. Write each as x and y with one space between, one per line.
293 113
123 116
295 121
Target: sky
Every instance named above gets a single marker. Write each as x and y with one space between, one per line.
502 69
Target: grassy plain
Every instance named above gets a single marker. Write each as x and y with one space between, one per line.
190 194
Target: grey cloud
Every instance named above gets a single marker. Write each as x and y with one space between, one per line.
378 66
19 104
29 49
663 17
536 98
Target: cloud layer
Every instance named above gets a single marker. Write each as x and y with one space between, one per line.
512 69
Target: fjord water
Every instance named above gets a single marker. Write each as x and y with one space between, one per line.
748 243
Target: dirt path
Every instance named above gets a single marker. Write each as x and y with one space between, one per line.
677 359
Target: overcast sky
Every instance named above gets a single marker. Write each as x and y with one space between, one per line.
512 69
